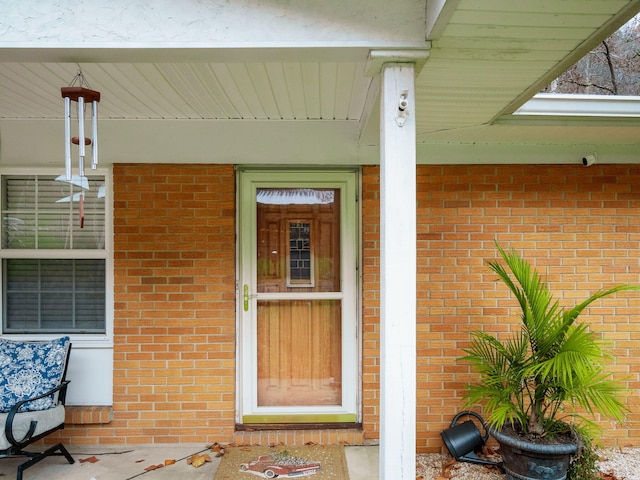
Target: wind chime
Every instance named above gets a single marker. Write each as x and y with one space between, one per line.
79 91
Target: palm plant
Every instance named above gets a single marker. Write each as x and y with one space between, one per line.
548 372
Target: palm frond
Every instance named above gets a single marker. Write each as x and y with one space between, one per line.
602 395
578 357
554 363
572 315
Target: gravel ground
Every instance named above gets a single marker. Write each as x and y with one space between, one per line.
615 464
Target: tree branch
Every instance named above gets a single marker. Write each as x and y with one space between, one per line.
594 85
607 55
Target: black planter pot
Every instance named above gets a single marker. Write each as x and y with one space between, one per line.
532 461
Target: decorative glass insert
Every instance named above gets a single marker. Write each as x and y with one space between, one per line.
300 259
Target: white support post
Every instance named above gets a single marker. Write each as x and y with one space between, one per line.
398 273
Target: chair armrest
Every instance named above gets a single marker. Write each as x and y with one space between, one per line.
8 426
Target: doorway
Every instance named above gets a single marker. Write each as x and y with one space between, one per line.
297 332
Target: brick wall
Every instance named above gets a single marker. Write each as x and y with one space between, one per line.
370 205
175 275
174 325
174 373
579 226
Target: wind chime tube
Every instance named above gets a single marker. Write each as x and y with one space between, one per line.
94 135
67 137
81 136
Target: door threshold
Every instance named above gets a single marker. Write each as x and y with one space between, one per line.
254 427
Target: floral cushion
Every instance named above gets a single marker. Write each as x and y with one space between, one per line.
29 369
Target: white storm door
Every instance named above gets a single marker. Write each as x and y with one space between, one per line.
298 355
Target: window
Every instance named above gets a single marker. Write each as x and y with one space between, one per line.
53 254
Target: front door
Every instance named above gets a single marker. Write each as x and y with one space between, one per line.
297 288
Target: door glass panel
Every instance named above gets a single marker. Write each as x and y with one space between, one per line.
299 353
299 339
298 240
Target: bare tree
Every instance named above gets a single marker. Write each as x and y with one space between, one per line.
612 68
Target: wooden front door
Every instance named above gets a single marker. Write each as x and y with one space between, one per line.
298 320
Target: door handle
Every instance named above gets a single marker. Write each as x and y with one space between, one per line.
246 297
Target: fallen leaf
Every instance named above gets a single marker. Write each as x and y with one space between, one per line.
488 451
153 467
89 460
217 449
139 461
449 463
446 469
198 460
169 462
492 468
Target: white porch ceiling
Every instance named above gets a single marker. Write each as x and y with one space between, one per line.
313 102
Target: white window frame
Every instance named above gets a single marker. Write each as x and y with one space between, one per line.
91 362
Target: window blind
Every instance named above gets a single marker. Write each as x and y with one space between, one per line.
45 291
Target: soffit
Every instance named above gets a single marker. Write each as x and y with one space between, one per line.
278 90
489 58
494 55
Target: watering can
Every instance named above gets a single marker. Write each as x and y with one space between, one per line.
464 439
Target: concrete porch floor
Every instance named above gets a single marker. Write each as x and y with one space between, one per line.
129 462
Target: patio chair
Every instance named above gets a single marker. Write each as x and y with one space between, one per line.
32 397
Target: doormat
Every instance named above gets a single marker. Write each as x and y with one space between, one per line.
318 462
